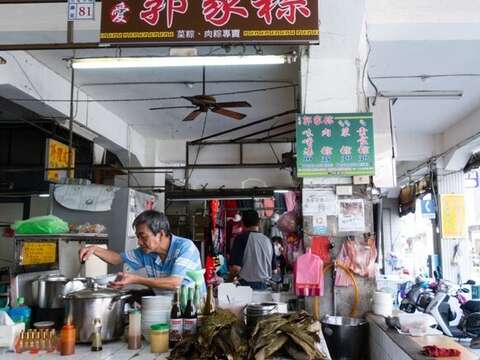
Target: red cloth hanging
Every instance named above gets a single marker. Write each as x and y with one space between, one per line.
321 247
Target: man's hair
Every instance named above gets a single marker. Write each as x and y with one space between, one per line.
277 239
250 218
156 221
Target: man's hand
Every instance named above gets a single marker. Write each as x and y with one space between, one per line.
85 253
123 279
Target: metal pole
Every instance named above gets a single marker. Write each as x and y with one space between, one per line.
187 147
70 174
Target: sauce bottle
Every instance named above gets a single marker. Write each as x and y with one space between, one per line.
67 339
190 315
176 322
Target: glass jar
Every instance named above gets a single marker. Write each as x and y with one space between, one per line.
159 338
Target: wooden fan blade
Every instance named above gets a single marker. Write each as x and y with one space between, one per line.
193 115
228 113
172 107
233 104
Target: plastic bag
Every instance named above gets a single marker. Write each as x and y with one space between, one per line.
288 222
49 224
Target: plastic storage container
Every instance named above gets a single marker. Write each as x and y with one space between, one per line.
159 338
21 313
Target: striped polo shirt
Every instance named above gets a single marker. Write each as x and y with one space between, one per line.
182 256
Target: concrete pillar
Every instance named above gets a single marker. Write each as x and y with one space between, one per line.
461 269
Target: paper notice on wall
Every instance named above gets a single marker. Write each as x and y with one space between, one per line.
319 224
37 253
85 197
351 215
319 202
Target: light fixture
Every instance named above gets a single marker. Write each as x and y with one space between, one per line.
281 191
176 61
424 94
44 195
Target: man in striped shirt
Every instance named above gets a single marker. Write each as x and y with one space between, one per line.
165 257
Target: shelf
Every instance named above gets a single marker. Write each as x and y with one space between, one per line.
67 237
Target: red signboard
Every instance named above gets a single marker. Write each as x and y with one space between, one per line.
210 21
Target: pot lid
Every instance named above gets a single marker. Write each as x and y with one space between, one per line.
261 307
53 278
95 293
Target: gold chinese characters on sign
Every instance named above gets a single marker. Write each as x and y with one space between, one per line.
57 157
37 253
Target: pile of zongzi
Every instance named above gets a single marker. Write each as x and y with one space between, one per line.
223 336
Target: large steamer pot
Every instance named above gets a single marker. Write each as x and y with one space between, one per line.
258 311
84 306
48 291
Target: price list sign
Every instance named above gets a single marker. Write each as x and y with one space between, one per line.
335 144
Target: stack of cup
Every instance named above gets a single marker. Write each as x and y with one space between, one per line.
382 303
155 310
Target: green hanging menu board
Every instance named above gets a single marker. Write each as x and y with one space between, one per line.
335 144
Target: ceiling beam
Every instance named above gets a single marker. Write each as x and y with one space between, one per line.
292 111
275 135
264 131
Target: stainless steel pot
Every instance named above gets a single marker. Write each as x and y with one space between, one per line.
84 306
255 312
48 291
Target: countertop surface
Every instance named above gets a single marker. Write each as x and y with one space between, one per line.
111 351
413 345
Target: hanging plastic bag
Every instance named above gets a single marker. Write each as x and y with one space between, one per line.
49 224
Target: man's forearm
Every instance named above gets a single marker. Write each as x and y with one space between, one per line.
108 256
234 271
169 282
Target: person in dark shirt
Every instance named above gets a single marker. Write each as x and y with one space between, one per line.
252 258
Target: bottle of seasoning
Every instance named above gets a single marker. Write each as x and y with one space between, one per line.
134 330
159 338
190 315
52 341
183 297
20 345
67 339
43 340
199 302
97 335
35 342
176 321
209 307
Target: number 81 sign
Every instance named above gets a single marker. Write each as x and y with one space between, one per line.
81 10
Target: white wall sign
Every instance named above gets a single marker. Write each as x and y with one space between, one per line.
351 215
81 10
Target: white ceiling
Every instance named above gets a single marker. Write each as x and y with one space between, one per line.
456 63
172 82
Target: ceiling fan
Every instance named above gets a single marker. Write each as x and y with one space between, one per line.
203 103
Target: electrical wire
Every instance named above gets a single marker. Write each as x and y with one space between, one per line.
365 67
27 77
306 82
369 44
155 98
198 151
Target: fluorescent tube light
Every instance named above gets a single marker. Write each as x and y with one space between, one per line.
44 195
422 94
281 191
176 61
